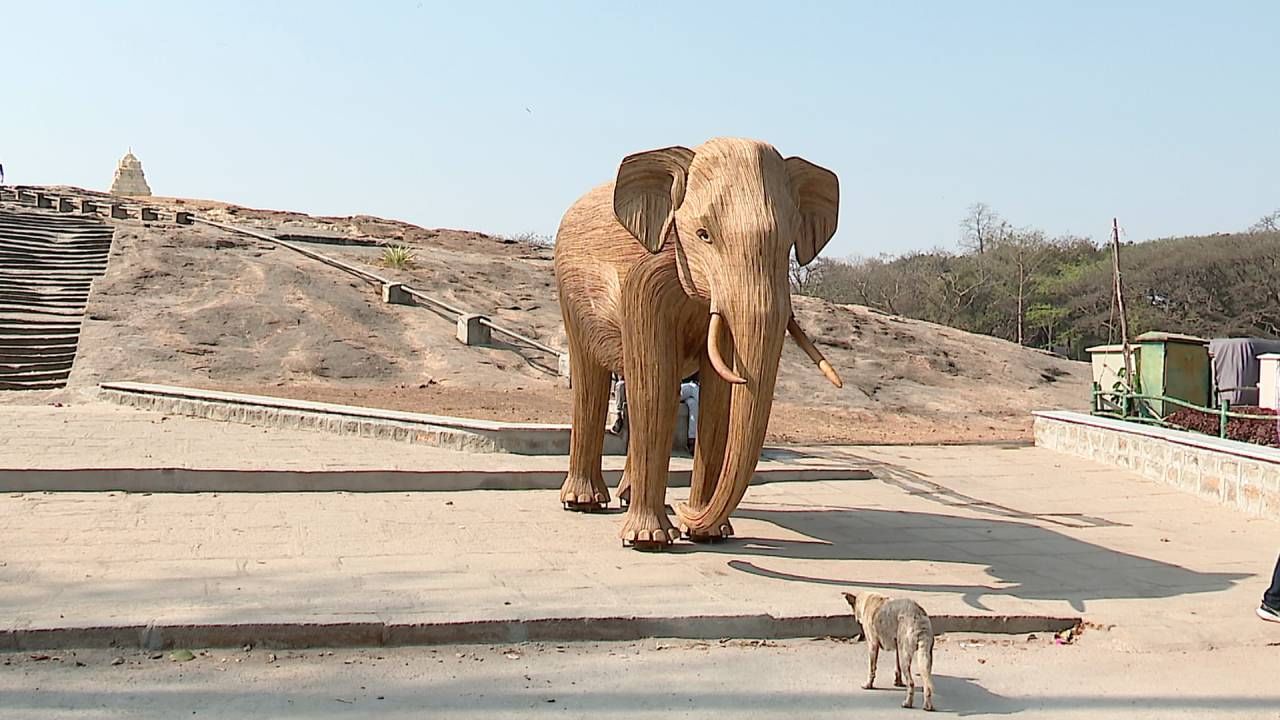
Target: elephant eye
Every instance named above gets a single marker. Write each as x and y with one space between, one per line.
704 235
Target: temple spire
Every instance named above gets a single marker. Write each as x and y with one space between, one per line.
129 179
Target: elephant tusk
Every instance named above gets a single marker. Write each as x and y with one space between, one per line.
713 352
812 351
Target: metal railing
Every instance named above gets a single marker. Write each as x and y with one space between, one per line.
374 278
1137 407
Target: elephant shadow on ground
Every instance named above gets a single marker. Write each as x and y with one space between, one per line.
1025 561
1023 553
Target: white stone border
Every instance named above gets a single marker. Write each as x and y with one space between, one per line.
1240 475
452 433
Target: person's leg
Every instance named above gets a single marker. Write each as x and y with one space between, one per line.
1272 597
1269 610
622 404
689 396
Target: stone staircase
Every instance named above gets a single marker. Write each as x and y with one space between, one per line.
47 264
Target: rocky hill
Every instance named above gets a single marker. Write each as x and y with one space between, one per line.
200 307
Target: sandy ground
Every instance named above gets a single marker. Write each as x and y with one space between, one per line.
196 306
976 676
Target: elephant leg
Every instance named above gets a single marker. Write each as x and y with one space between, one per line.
584 489
653 386
713 434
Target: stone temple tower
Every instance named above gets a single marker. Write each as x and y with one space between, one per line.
129 179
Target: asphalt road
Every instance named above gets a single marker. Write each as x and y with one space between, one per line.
977 676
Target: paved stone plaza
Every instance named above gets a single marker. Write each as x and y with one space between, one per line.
971 531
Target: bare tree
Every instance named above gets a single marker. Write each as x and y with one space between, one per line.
1267 223
805 277
981 227
1024 251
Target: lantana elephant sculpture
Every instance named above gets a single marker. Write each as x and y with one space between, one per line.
680 265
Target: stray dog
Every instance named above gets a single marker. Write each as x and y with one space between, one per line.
903 625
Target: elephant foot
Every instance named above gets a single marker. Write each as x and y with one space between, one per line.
581 495
647 530
717 534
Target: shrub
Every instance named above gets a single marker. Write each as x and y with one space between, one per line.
1258 432
397 256
531 238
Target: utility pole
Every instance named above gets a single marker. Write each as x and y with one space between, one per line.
1118 288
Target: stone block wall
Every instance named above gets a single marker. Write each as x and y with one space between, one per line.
1245 477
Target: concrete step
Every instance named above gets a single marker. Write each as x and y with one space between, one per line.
37 241
87 268
41 235
33 385
22 302
19 355
21 322
11 314
86 245
47 328
29 232
60 221
48 217
47 275
61 249
53 223
27 282
25 313
39 326
52 259
48 342
53 263
34 348
84 268
51 294
17 375
42 366
50 273
81 242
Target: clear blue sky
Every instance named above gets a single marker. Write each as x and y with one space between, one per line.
495 116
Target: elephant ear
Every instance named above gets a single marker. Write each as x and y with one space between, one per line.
817 195
649 189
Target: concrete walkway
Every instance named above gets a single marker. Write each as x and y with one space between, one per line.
969 531
101 446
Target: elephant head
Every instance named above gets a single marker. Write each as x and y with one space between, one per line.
735 211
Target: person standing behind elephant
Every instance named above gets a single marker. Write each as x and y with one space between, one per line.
619 406
689 396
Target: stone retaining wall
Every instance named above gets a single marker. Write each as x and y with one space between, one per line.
1236 474
464 434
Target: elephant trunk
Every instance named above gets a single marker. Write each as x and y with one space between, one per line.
758 327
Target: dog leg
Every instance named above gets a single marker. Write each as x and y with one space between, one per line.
873 654
897 665
905 661
925 660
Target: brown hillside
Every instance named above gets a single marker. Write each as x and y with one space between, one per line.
200 307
